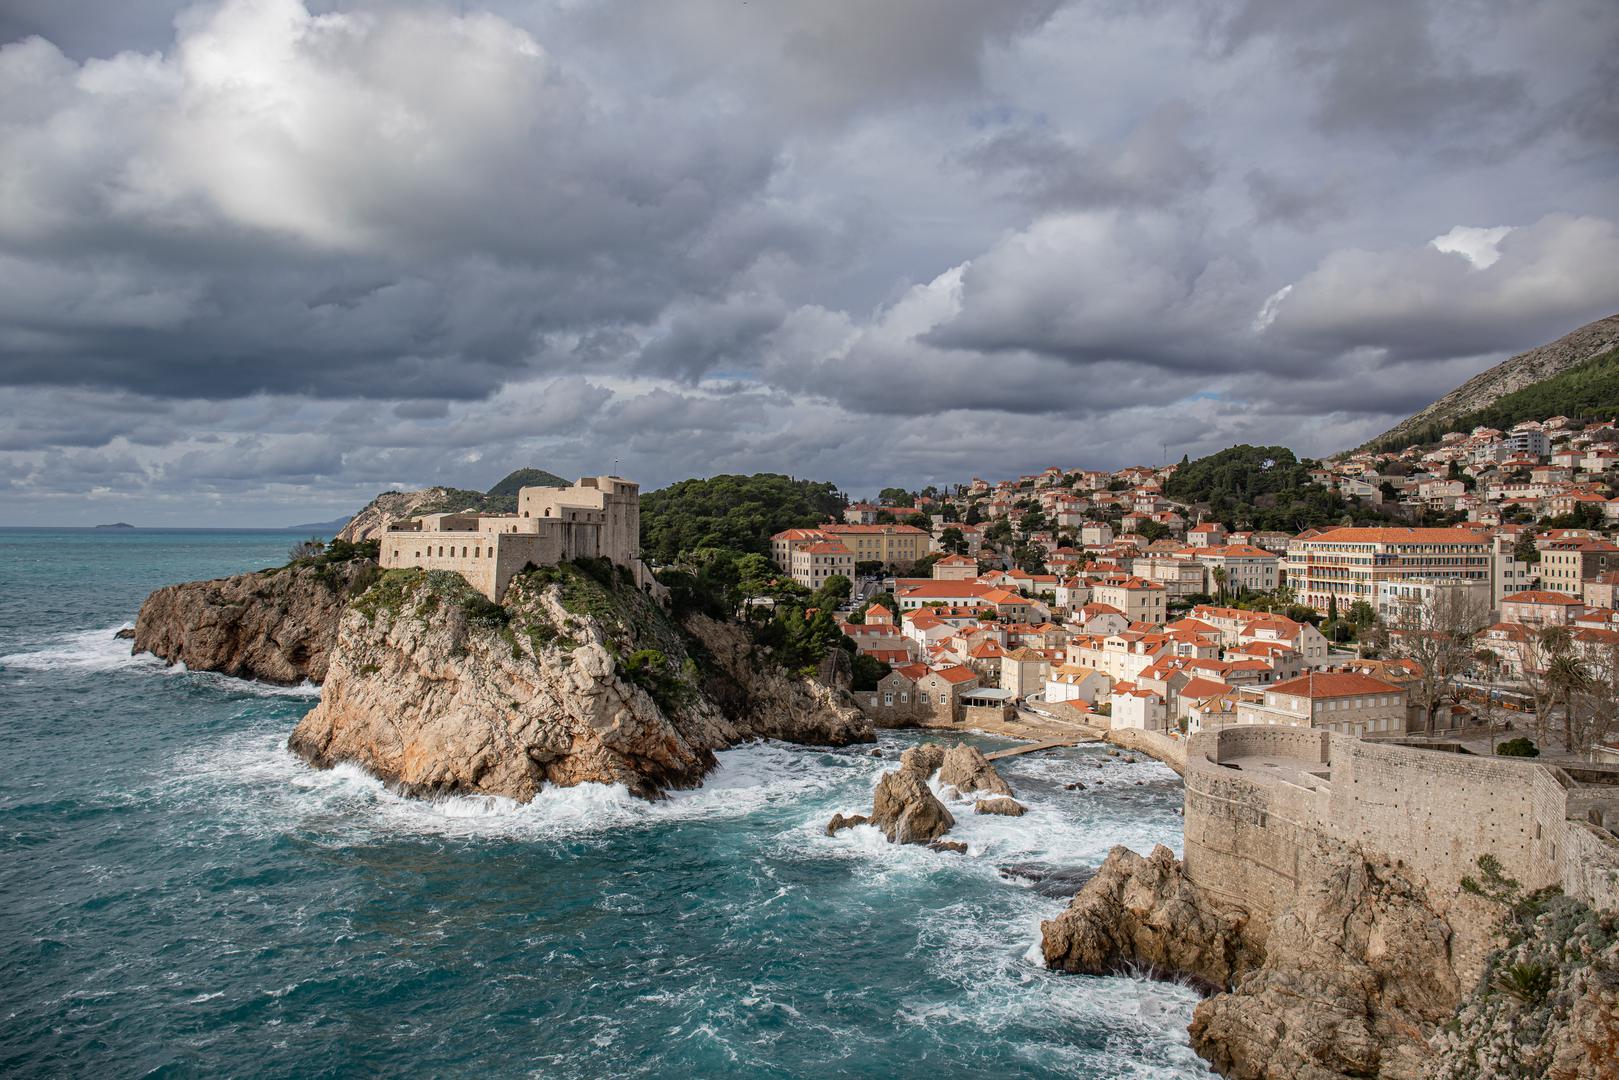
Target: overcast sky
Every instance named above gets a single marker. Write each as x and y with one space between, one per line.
262 259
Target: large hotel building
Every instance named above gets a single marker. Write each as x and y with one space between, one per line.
1350 563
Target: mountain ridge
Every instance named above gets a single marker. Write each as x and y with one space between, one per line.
1516 373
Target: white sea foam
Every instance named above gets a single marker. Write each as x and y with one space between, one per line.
99 650
81 650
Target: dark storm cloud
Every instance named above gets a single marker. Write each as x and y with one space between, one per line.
284 255
1381 68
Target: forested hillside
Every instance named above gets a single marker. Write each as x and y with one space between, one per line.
1587 391
1259 487
731 511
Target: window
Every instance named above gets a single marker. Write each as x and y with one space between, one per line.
888 698
922 697
904 697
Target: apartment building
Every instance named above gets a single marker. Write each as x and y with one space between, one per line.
1566 565
1348 564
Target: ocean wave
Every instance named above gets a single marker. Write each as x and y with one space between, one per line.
81 650
90 651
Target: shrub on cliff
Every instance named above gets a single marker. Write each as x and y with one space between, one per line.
1519 747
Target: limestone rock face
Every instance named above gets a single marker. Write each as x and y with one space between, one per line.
437 691
278 626
1547 1003
924 758
768 701
906 810
1523 370
1356 975
965 768
372 521
1351 980
1145 913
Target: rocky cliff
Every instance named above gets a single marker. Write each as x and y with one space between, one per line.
1361 976
275 625
577 677
392 506
1525 369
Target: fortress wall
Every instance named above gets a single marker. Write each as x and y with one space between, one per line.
1252 834
1249 837
1439 812
479 566
1590 869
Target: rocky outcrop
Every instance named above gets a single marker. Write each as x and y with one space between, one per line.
906 810
1145 913
766 699
278 626
1000 805
904 807
965 769
1547 1004
575 678
371 522
840 822
1359 976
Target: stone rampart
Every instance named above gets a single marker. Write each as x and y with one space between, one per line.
1263 802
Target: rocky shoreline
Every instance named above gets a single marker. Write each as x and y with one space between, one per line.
1364 975
276 626
572 680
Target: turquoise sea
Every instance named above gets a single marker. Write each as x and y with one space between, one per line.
180 897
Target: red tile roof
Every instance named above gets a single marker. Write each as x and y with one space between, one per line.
1333 684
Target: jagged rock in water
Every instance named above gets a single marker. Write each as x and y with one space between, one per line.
1145 913
1351 979
1061 882
840 822
925 759
275 625
965 769
126 633
1001 805
574 679
956 846
906 810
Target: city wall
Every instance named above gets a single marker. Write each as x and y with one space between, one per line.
1263 803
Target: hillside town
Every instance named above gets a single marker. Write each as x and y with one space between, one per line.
1467 592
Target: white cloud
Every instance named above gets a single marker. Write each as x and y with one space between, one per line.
1479 246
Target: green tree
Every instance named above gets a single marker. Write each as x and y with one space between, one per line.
739 513
897 497
952 540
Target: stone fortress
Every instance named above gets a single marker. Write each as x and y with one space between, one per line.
598 517
1263 801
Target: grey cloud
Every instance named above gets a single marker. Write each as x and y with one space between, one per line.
1303 203
1153 165
1423 303
1381 68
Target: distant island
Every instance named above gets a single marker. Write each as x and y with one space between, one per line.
117 525
320 527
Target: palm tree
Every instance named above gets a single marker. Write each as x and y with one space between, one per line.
1220 576
1569 676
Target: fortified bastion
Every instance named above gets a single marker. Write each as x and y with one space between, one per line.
598 517
1263 800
